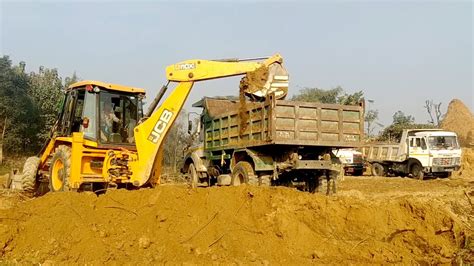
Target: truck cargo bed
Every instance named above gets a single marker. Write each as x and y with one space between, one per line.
228 124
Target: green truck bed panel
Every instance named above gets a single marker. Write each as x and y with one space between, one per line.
230 125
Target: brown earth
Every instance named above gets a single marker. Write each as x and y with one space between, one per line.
467 163
370 220
460 120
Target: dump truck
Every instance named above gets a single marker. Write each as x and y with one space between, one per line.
276 142
420 152
103 139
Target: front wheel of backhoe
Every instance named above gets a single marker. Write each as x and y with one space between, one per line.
28 177
59 171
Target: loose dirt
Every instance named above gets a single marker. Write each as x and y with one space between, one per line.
467 163
460 120
250 83
370 220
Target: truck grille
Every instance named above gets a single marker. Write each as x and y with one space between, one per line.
357 158
446 161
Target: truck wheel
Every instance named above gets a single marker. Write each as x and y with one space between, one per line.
243 173
193 177
378 169
60 169
28 178
416 171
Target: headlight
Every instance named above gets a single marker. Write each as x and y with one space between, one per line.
457 160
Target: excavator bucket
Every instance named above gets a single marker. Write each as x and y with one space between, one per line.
265 81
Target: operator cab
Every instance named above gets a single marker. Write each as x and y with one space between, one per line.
105 113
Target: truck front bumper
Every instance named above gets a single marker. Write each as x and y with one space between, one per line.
354 167
442 169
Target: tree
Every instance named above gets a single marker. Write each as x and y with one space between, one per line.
371 118
393 133
399 118
175 142
434 111
30 102
18 107
334 95
45 88
351 99
318 95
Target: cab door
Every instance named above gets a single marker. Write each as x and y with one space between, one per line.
418 150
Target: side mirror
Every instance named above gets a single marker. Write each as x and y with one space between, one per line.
190 126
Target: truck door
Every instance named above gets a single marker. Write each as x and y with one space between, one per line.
419 150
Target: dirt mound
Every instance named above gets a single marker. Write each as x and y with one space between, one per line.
174 224
467 163
460 120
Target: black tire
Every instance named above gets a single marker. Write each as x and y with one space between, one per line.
60 169
378 170
416 171
445 175
28 177
243 173
358 172
193 176
312 184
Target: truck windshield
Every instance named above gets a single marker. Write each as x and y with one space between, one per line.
119 114
443 142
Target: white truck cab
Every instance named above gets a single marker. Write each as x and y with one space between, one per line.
351 160
437 151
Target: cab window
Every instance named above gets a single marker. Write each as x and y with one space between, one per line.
119 114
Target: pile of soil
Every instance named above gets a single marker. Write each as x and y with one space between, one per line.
460 120
467 163
174 224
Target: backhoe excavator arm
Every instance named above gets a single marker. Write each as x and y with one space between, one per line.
150 134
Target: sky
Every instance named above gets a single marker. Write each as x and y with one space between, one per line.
400 53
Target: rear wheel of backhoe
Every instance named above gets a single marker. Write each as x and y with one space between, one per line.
60 168
28 177
243 173
193 177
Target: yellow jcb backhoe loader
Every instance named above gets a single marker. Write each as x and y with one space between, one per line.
103 139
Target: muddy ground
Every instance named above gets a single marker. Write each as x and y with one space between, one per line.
370 220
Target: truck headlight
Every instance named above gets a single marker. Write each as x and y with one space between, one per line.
457 160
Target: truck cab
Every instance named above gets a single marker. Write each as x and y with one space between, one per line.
352 161
437 151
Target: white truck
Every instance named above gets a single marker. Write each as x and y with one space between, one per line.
420 152
352 161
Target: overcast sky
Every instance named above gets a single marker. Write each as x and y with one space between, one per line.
398 53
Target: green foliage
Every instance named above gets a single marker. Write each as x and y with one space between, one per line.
45 88
399 118
351 99
318 95
28 105
18 113
334 95
401 121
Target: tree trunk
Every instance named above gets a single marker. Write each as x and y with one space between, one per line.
1 140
